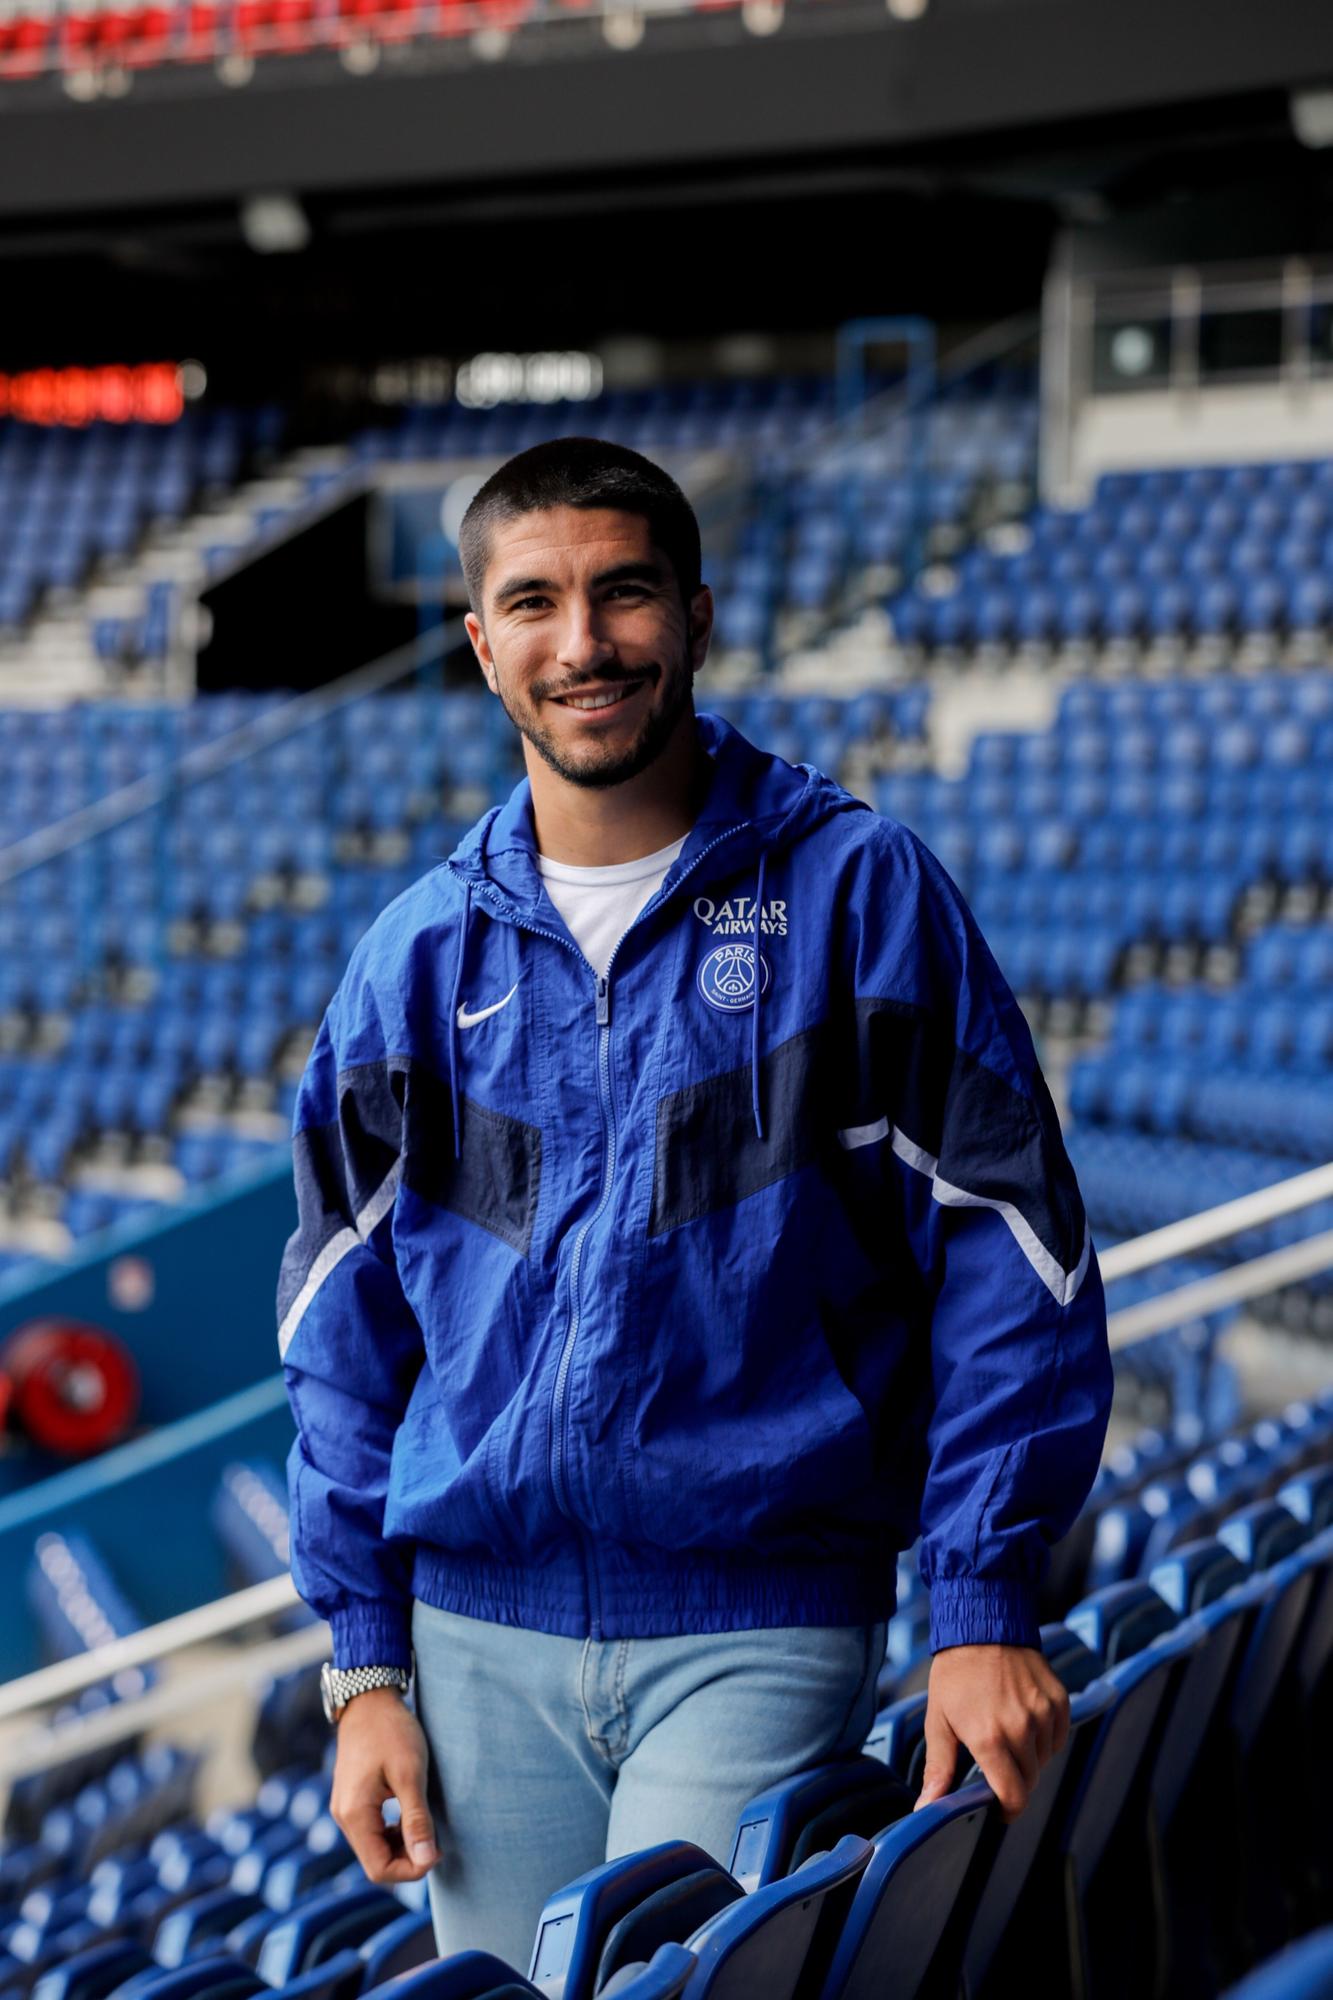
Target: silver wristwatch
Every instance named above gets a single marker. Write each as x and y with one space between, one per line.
338 1685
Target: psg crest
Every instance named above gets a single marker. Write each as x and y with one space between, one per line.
726 977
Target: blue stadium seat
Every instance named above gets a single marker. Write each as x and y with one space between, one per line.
905 1928
809 1813
217 1978
579 1922
94 1973
762 1943
323 1925
403 1944
1018 1862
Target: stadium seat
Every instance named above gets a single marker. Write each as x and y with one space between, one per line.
761 1943
905 1928
577 1922
1012 1860
809 1813
1304 1971
218 1978
321 1926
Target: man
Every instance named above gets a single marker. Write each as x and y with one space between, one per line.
684 1225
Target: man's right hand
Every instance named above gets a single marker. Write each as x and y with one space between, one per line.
382 1755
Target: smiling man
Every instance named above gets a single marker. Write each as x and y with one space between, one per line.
684 1229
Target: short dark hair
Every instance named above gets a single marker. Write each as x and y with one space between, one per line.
581 472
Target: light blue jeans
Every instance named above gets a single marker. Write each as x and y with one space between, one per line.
550 1755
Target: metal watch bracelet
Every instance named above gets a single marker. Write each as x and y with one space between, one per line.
337 1686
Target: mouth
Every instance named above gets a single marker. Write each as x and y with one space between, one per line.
601 699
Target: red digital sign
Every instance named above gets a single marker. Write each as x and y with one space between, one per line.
148 393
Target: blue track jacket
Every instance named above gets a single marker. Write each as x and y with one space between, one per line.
683 1299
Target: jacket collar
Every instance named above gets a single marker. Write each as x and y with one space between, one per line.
753 797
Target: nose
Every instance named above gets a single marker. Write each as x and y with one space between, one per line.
583 646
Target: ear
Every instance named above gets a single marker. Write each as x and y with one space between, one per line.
481 646
700 625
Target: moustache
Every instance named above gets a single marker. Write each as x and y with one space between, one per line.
596 681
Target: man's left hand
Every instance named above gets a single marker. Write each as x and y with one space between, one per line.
1006 1706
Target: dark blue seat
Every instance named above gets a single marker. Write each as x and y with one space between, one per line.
1254 1758
327 1924
810 1812
1120 1620
218 1978
1305 1704
577 1921
294 1875
665 1977
1303 1972
1262 1534
761 1944
897 1739
340 1977
92 1974
1183 1798
401 1946
465 1975
1102 1833
903 1933
209 1915
1309 1496
1017 1864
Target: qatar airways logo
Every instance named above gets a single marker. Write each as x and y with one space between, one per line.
735 917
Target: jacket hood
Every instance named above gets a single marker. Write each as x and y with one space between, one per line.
764 802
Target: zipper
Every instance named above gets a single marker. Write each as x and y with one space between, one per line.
602 1011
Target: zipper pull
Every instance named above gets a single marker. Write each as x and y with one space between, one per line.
603 1001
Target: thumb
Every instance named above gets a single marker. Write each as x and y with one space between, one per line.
941 1755
416 1825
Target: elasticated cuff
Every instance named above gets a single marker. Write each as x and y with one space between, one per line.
977 1611
372 1635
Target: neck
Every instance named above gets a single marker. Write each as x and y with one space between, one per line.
592 827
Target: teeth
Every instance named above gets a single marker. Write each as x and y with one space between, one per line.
596 700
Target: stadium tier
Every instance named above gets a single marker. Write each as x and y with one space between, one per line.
1211 557
1178 1837
75 501
128 519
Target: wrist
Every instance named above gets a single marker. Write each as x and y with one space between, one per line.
340 1686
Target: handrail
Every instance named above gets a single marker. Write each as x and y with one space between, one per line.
1226 1288
208 759
1212 1225
38 1749
152 1642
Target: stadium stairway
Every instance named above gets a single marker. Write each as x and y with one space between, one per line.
1178 1839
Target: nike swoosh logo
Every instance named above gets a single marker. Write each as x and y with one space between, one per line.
466 1020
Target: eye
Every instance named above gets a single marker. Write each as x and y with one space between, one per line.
527 603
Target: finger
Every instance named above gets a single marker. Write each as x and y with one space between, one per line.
1022 1746
1043 1734
1001 1770
941 1754
369 1838
417 1826
1060 1733
401 1868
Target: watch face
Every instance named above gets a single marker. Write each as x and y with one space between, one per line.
326 1692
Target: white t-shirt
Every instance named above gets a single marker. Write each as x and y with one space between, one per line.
600 904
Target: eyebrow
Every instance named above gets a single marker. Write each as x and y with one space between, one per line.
629 572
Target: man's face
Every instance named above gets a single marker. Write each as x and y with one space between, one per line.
580 606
